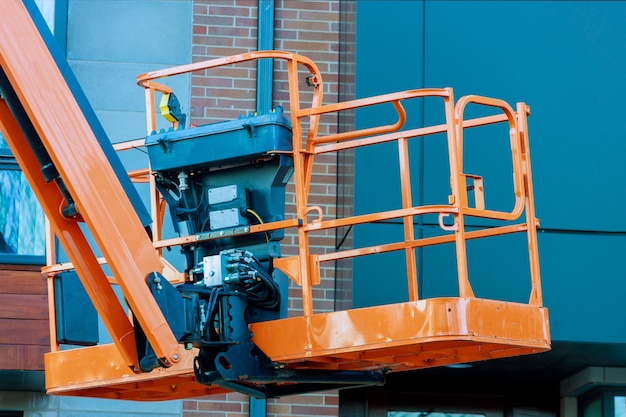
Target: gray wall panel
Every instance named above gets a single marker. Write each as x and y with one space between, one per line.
147 31
113 85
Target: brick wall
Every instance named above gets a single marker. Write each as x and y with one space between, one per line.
314 29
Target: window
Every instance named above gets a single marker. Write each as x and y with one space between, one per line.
619 405
22 232
603 402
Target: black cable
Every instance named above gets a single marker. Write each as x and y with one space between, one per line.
539 229
344 237
264 293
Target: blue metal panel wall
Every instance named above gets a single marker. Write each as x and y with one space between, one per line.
564 59
389 58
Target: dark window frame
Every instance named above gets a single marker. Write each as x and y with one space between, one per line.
607 397
8 163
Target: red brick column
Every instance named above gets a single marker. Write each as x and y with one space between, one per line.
307 27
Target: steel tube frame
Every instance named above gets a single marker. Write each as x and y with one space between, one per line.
307 146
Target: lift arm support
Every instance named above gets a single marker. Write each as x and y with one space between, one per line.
49 121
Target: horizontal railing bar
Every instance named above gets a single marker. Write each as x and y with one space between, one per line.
421 131
369 101
429 241
375 217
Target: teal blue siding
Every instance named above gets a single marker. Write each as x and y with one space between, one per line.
389 58
379 279
584 286
564 59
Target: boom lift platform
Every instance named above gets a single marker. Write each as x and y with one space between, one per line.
220 325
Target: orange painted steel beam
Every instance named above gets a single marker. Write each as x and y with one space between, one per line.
99 197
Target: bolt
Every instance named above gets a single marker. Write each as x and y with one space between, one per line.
188 346
175 356
157 281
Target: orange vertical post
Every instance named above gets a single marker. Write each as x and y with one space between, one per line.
459 197
301 195
409 232
532 223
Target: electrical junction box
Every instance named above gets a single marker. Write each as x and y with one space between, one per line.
225 194
224 219
227 207
214 270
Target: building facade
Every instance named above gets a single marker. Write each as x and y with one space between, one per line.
564 59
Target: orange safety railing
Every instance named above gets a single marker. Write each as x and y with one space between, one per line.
304 268
414 334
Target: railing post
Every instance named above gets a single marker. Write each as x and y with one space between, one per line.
459 197
531 221
409 232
